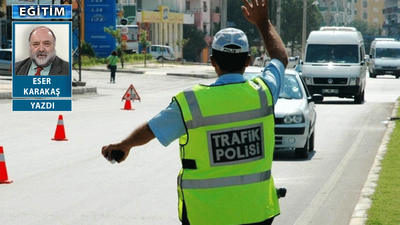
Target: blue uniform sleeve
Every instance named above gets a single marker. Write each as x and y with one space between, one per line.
168 125
273 75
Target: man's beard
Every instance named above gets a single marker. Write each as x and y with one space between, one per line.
42 62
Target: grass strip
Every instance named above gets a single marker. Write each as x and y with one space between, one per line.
385 208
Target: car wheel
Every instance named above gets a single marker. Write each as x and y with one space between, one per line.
372 74
302 153
363 96
160 59
311 140
358 99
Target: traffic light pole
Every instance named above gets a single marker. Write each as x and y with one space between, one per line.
76 29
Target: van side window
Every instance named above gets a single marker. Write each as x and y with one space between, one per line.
362 52
3 55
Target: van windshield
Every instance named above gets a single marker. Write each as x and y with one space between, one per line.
317 53
387 53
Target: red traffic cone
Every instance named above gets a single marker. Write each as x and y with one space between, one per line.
127 105
60 132
3 170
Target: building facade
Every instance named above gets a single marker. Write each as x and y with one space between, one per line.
343 12
392 18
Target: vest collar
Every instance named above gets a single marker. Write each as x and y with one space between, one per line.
229 78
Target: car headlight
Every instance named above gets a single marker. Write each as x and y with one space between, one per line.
353 81
294 117
308 80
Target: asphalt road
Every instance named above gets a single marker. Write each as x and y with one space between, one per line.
68 182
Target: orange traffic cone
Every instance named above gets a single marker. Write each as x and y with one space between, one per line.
60 132
127 105
3 170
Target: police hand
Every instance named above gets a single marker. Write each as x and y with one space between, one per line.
115 152
256 12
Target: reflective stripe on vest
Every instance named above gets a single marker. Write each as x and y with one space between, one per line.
200 121
2 158
226 181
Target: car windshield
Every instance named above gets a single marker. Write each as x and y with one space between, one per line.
291 88
387 53
317 53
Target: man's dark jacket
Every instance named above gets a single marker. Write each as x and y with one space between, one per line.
59 67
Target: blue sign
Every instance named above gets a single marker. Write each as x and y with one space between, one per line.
42 105
42 11
42 87
52 92
100 14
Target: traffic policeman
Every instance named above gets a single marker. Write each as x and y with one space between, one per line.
225 131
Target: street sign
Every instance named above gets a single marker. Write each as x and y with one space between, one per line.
131 94
124 37
124 29
99 14
124 21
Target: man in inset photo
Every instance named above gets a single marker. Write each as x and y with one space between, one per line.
43 59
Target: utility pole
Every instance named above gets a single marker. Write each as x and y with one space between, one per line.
345 12
303 37
278 17
224 9
328 13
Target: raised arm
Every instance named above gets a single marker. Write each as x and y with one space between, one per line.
256 12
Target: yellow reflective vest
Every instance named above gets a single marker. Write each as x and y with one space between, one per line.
227 154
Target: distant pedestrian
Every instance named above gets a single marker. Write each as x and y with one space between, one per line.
112 65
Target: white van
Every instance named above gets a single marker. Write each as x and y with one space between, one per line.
162 51
334 63
384 57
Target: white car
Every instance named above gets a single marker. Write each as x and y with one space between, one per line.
161 52
258 61
295 115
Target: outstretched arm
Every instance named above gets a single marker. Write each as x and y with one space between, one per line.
140 136
256 12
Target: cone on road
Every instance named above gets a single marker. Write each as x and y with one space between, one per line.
60 132
127 105
3 170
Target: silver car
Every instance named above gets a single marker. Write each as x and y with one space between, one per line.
295 114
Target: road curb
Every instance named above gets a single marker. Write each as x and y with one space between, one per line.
118 70
360 215
207 76
5 95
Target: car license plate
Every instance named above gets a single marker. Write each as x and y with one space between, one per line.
389 72
330 91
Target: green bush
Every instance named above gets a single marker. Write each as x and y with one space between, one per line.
87 49
128 58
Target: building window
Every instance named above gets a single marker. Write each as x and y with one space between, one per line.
205 6
365 4
365 15
187 6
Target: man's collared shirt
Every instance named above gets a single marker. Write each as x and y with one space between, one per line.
44 72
